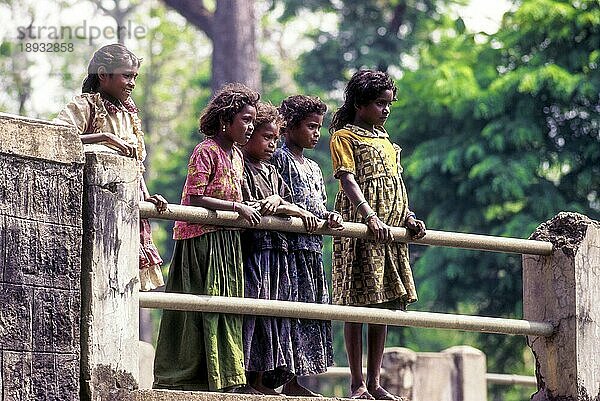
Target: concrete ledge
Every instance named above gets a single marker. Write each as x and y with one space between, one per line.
168 395
39 139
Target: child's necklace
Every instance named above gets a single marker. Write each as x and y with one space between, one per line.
304 165
300 159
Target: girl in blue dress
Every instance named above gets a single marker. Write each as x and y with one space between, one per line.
311 339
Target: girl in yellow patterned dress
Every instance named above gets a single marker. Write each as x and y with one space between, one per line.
365 272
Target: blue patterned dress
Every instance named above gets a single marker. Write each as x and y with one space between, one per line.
311 339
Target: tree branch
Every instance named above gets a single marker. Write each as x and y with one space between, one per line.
195 13
398 17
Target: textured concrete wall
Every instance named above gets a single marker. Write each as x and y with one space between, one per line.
41 178
564 289
110 281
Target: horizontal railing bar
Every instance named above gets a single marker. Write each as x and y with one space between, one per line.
499 378
354 230
263 307
491 378
341 371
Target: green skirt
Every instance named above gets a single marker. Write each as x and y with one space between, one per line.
195 350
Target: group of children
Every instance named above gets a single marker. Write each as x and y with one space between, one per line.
239 167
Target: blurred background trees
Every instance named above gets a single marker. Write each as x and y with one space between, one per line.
499 130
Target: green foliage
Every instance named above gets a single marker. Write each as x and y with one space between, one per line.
498 137
372 33
322 67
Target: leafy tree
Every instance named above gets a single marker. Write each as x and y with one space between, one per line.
119 11
498 137
15 62
172 88
231 27
370 33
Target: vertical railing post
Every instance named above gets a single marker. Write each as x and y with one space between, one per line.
564 289
469 382
399 366
109 283
455 374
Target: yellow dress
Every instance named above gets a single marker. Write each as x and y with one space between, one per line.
90 113
365 272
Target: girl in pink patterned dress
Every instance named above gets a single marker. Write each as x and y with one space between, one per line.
204 351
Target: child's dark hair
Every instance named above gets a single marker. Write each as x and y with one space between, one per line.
296 108
267 113
110 57
226 103
364 87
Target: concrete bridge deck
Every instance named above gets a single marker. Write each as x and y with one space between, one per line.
167 395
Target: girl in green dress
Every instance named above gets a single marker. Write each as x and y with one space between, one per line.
201 350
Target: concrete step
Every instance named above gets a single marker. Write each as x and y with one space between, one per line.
169 395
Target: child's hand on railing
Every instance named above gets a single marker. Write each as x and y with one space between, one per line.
416 228
311 222
335 221
250 213
158 200
380 230
270 204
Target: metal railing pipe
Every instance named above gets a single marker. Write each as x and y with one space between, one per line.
263 307
354 230
499 378
334 372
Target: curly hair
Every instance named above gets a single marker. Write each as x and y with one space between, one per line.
267 113
226 103
364 87
296 108
110 57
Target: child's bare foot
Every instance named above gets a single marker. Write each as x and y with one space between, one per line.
379 393
361 393
264 389
293 388
243 389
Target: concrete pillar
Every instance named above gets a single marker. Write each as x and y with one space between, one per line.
41 180
146 362
434 374
456 374
469 382
110 281
564 289
399 367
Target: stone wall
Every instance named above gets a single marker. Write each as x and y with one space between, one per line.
41 180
